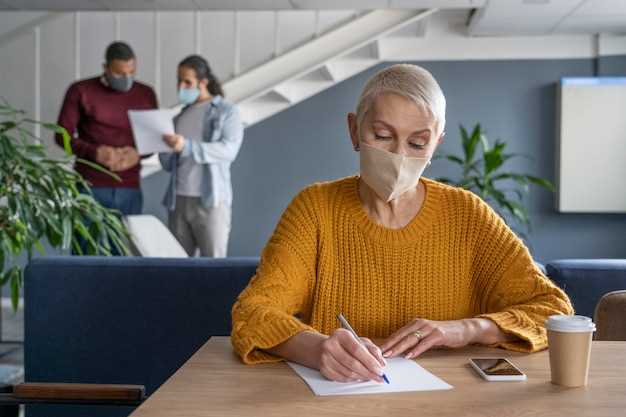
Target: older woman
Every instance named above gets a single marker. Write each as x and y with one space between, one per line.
406 259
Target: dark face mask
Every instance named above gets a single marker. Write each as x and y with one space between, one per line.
121 84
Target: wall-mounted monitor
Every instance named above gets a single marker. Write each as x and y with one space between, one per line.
591 145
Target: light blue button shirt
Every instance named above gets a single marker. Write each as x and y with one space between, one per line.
215 151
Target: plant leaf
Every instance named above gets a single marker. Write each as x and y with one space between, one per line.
98 168
67 140
484 142
541 182
43 197
82 230
521 179
493 158
8 125
39 247
67 146
470 149
454 159
67 233
6 277
519 211
16 276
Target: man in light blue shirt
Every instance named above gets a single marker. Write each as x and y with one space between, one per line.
209 133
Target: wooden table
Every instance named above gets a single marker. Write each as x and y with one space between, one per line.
215 383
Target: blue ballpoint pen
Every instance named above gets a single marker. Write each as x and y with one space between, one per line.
346 325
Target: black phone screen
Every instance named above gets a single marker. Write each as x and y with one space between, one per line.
496 366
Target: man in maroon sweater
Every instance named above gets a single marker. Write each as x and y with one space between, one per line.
95 113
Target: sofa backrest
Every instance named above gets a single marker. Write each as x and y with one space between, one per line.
586 280
123 319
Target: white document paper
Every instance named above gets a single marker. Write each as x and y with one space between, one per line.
403 374
149 126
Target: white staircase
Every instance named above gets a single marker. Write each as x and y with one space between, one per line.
320 63
316 65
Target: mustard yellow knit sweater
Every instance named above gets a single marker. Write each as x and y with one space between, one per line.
456 259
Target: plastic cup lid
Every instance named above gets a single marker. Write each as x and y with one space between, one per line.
571 324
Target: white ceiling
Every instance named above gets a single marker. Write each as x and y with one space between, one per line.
73 5
491 17
542 17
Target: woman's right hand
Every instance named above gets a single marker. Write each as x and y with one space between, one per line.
342 358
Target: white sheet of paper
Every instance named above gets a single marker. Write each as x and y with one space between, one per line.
149 126
403 374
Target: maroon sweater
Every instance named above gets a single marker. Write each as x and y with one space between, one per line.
95 115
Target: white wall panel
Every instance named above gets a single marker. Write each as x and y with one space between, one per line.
137 29
177 41
257 38
17 72
57 70
97 31
217 37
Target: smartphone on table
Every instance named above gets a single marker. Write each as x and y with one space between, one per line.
497 369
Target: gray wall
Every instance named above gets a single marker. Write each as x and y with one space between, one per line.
513 100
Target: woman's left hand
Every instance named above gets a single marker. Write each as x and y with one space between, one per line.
420 335
176 142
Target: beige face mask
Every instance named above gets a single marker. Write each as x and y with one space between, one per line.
390 174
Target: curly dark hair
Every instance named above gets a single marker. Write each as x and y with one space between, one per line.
203 72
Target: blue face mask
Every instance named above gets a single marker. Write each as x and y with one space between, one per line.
188 96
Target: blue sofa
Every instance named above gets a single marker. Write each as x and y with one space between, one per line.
122 320
586 280
136 320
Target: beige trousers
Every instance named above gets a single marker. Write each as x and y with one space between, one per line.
200 228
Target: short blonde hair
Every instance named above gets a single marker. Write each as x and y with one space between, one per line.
410 81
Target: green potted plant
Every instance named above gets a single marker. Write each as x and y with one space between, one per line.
43 198
482 172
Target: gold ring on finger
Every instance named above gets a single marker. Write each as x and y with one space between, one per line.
418 334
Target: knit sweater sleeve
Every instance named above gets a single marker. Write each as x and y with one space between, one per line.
264 314
509 288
